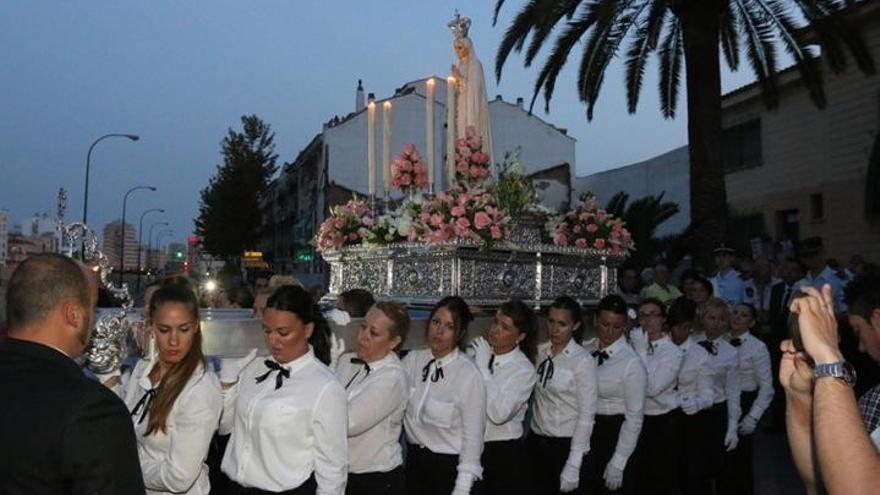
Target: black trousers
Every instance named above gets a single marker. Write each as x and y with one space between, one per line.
429 473
547 457
606 430
506 467
392 483
703 452
737 478
659 454
310 487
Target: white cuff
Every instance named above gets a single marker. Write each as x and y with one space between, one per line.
619 461
575 458
464 481
475 471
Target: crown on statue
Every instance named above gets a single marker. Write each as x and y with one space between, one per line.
459 26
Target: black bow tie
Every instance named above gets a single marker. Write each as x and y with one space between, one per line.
545 370
492 364
273 366
601 356
366 368
709 346
145 402
438 371
736 341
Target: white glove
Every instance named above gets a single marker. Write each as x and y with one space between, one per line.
747 425
613 477
338 316
463 483
570 478
689 406
731 440
109 379
482 353
460 491
231 368
337 348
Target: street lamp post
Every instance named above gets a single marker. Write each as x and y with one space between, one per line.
122 229
140 241
150 239
132 137
159 236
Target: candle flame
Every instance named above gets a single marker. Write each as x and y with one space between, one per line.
430 82
450 80
387 104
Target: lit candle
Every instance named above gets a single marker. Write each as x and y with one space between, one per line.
429 129
451 100
371 146
386 145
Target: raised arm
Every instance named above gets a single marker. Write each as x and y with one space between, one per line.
472 408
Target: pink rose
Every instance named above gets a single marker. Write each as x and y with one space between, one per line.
436 220
463 223
405 180
482 220
352 236
458 211
409 149
577 229
461 167
495 231
470 131
599 244
561 240
368 221
592 228
581 243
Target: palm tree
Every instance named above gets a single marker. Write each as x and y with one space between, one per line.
695 32
642 218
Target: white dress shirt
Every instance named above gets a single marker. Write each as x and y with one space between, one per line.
662 360
728 286
173 461
724 367
695 379
446 412
755 372
622 384
565 403
376 403
509 384
280 437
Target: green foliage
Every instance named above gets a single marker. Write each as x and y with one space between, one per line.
515 191
642 218
229 210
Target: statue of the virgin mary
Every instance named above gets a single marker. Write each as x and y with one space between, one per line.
472 106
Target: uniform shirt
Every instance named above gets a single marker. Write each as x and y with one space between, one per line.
760 299
827 276
565 400
695 379
173 461
662 360
755 373
376 403
281 436
622 383
509 384
724 368
446 411
728 286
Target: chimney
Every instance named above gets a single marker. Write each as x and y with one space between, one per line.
359 97
519 102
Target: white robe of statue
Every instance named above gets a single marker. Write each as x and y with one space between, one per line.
473 107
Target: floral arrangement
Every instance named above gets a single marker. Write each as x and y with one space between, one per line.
408 173
462 213
516 193
589 226
347 224
398 225
472 164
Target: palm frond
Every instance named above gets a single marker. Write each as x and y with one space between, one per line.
617 204
760 49
498 5
516 34
549 16
729 38
670 56
827 19
644 43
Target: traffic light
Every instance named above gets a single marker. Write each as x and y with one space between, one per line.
178 254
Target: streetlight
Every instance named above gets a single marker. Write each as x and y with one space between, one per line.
122 229
133 137
140 240
150 238
159 236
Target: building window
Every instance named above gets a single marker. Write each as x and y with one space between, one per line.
817 207
788 226
741 146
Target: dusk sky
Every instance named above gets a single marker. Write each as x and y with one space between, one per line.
179 74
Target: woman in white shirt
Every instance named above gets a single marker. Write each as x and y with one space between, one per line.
608 466
721 420
564 404
377 390
658 450
505 361
446 413
173 398
756 385
287 413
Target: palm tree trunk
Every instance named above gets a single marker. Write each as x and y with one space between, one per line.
700 25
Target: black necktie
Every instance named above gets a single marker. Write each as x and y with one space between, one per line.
492 364
785 298
273 366
736 341
601 356
545 370
145 402
709 346
438 371
651 348
366 368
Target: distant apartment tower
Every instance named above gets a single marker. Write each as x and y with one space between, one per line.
4 236
40 223
112 245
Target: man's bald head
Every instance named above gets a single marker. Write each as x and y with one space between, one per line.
42 283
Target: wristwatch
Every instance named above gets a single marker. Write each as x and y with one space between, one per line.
841 370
